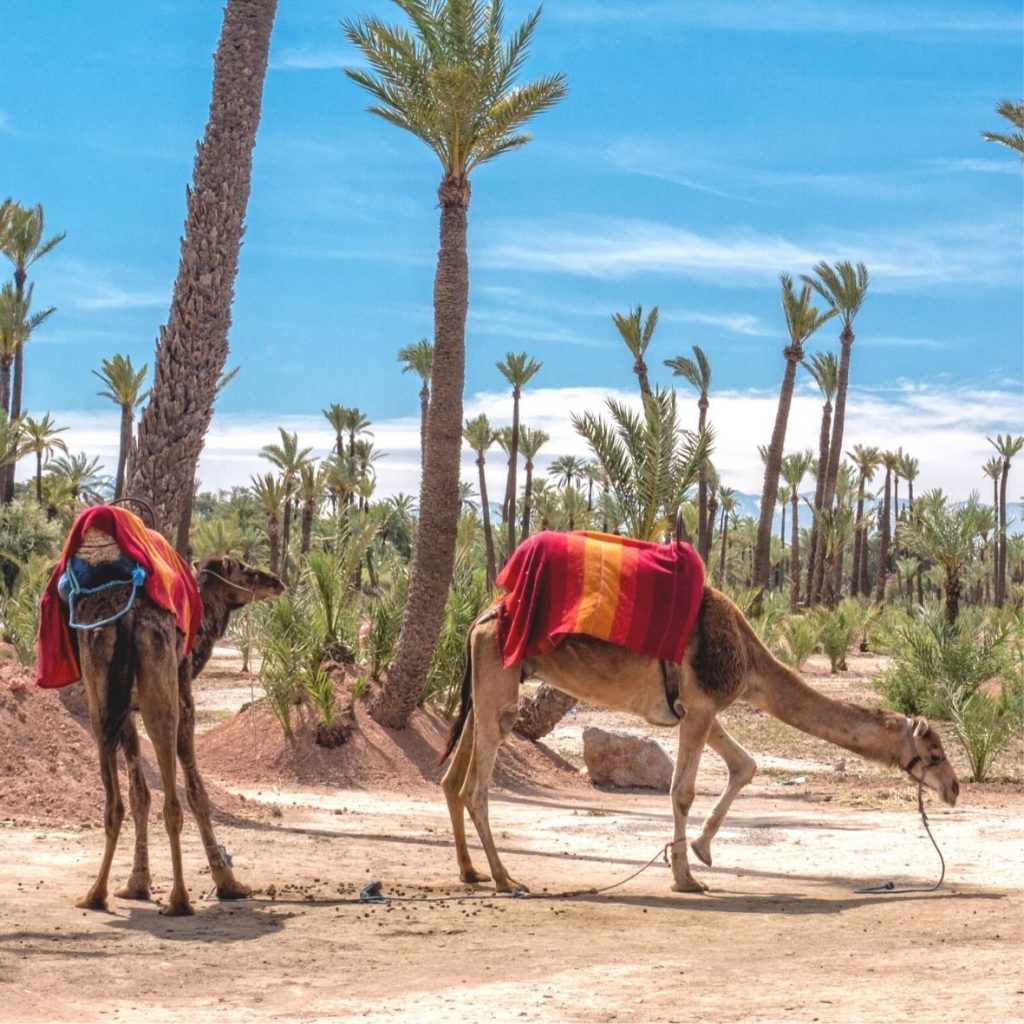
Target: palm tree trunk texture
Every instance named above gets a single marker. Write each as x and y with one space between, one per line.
127 420
527 505
274 542
1000 588
193 347
540 713
485 513
883 547
794 554
813 552
773 465
439 486
704 520
725 542
858 540
509 507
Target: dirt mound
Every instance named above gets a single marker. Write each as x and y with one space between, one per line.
251 747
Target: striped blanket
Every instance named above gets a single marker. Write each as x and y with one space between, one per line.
639 595
169 584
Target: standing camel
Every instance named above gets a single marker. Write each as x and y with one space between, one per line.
724 661
134 655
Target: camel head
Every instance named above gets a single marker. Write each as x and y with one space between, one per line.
928 763
241 583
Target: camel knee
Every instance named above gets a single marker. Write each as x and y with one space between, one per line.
507 720
173 816
746 772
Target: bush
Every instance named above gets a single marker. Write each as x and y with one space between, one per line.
801 638
386 623
25 534
290 648
836 629
984 728
19 608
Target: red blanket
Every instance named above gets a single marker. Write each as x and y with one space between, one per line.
169 584
639 595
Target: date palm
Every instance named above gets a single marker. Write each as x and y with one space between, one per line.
1007 447
531 441
193 346
994 470
269 490
637 331
40 438
518 369
419 359
824 368
697 372
479 436
728 504
890 460
843 287
449 81
124 388
82 475
312 485
336 417
289 458
866 459
567 470
803 318
1014 113
793 469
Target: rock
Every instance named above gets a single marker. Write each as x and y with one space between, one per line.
621 759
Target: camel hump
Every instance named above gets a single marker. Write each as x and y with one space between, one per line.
97 547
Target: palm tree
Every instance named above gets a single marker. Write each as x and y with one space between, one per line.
11 440
824 368
843 287
1006 448
479 436
270 493
419 358
994 470
636 333
1014 113
311 488
866 460
450 82
793 469
727 500
567 470
802 320
289 459
355 422
17 323
40 438
336 416
531 442
518 369
124 389
890 460
21 241
193 347
697 371
649 461
82 475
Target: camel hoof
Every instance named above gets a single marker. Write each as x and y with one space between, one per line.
512 886
702 850
91 902
689 885
233 891
474 877
177 910
133 892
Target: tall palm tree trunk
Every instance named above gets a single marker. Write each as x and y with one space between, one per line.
814 575
1000 589
773 464
485 513
794 554
193 347
439 486
125 442
704 520
883 546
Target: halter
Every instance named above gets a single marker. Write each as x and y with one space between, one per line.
917 759
230 583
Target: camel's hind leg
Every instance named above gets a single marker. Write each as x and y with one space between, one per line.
138 886
228 887
693 734
741 770
452 784
113 816
495 707
157 687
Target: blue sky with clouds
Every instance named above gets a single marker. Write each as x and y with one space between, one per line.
704 148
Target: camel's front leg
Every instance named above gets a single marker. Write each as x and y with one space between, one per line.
113 816
693 734
138 886
228 887
452 784
741 770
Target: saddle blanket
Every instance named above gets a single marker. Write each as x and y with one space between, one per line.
169 584
637 594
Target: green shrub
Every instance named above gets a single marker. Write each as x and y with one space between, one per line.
320 688
836 629
386 623
983 727
19 607
290 648
801 638
25 534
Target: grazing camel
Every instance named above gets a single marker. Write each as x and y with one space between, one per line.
724 661
138 660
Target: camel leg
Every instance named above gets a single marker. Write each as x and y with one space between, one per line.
228 887
157 683
140 880
452 783
495 708
693 734
741 770
113 815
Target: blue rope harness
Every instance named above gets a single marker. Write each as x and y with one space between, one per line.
70 587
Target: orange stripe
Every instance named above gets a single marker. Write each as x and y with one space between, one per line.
600 588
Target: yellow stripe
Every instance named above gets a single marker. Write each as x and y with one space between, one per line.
601 563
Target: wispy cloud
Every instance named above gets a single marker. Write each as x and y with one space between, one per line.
971 165
6 128
799 16
736 323
306 59
618 248
510 323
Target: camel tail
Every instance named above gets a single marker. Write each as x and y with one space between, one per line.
120 678
465 705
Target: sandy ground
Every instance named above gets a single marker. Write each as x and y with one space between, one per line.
781 936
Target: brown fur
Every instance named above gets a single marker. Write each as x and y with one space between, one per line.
139 659
725 661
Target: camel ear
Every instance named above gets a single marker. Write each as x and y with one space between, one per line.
921 727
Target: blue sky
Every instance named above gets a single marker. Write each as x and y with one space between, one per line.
704 148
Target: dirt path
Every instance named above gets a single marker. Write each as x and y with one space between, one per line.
781 937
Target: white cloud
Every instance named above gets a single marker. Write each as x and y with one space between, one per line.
306 59
6 128
736 323
107 288
945 428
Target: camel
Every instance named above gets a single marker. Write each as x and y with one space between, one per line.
724 661
139 660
